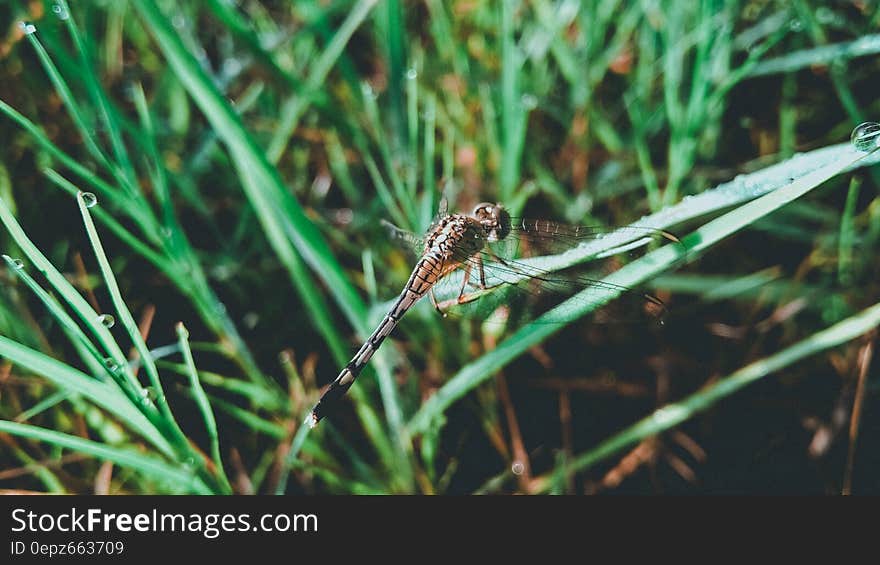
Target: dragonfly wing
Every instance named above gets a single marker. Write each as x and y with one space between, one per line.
529 291
543 237
406 240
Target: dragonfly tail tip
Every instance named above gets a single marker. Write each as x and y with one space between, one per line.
312 419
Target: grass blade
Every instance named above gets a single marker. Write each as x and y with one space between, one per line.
152 467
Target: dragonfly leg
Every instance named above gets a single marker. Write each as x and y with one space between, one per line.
434 302
464 298
465 279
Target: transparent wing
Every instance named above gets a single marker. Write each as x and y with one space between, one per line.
531 237
525 292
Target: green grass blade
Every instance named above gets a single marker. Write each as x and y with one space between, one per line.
101 394
150 466
70 295
126 319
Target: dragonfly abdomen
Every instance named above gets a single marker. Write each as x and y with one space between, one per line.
423 277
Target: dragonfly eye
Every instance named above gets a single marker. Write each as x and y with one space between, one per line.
495 220
503 224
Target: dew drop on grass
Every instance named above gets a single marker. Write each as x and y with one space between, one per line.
529 101
16 263
27 28
111 365
106 320
60 11
148 395
517 468
866 136
88 199
412 74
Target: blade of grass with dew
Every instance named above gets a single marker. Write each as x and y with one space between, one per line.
167 423
671 415
283 221
129 324
130 239
71 296
192 283
56 311
68 378
630 275
135 205
204 406
150 466
743 188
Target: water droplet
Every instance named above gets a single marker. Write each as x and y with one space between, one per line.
866 136
60 11
529 101
111 365
796 25
88 198
367 90
148 395
220 308
178 21
517 468
106 320
27 28
166 232
16 263
412 74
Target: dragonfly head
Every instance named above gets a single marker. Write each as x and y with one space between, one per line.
495 220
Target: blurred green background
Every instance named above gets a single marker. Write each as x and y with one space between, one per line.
192 196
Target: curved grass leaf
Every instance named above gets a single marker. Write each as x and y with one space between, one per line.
101 394
154 468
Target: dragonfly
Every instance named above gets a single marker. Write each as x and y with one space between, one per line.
471 254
